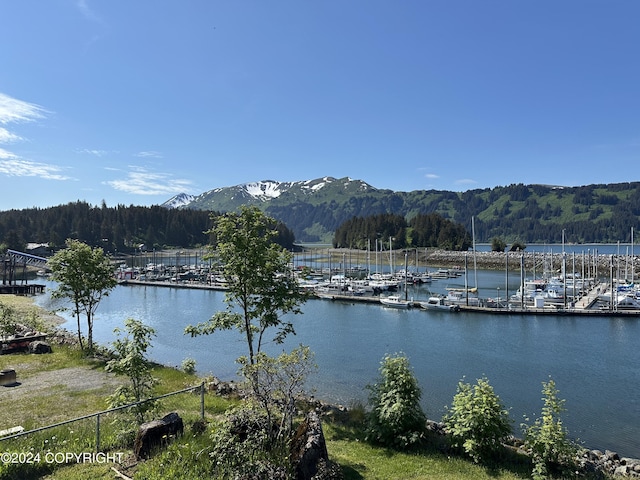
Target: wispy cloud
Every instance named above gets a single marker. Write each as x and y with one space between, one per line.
14 111
7 137
140 181
12 166
431 176
95 153
149 154
88 12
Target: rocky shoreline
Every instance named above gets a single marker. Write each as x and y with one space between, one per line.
435 258
498 260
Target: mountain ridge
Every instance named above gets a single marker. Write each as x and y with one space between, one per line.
314 209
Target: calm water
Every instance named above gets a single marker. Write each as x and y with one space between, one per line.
594 361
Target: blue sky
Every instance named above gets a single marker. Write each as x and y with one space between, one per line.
132 102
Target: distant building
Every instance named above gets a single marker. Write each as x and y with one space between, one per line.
39 249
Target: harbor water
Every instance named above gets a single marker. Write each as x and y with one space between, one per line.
594 361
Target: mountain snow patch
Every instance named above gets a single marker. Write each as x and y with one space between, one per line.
263 189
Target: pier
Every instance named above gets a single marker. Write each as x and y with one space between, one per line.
582 307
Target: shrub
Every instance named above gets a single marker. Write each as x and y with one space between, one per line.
242 447
477 421
396 418
131 360
547 439
189 366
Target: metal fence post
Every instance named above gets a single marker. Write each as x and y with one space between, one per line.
97 432
202 401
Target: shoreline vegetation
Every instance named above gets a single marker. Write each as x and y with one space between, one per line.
345 440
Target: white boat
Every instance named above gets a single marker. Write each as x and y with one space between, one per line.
394 301
458 296
438 303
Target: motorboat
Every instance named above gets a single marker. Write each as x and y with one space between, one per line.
438 303
457 296
394 301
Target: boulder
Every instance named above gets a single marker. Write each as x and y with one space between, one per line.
155 433
39 347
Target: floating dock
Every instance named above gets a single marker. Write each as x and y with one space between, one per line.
582 307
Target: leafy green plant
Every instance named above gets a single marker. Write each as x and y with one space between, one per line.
189 366
130 360
396 418
547 439
477 421
7 320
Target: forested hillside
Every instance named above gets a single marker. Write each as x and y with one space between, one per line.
116 229
527 213
431 230
516 213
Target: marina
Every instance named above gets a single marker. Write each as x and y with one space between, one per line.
539 282
516 341
594 362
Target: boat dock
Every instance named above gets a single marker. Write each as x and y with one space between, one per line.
582 307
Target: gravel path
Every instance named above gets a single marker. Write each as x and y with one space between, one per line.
72 378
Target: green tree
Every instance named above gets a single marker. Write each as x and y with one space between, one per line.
396 418
498 244
260 285
517 246
84 275
130 360
547 439
477 421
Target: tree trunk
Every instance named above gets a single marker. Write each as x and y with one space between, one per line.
79 333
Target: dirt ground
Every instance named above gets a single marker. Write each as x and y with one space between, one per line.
72 378
32 378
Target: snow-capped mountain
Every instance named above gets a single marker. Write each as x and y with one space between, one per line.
308 200
268 191
177 201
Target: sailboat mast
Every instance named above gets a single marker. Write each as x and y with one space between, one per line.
475 265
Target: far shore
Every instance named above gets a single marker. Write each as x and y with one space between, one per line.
436 258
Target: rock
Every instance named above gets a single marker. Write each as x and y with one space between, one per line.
621 470
309 455
613 456
39 347
328 470
155 433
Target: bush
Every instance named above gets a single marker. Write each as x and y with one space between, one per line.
477 422
396 418
547 439
189 366
242 447
131 360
